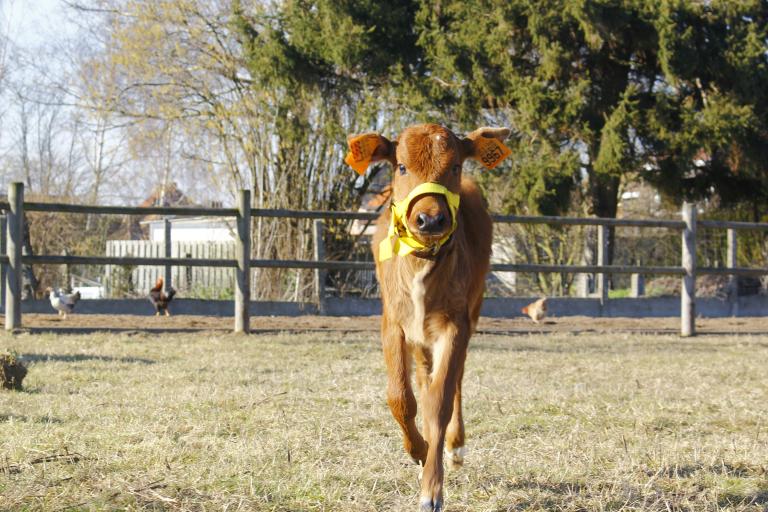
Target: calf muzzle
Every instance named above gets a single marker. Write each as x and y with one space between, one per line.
401 241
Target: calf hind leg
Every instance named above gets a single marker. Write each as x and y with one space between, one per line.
422 357
454 436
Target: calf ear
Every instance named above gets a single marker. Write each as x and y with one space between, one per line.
486 146
368 148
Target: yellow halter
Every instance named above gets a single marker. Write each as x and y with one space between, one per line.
399 238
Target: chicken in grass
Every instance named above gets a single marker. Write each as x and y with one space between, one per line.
62 302
536 310
160 299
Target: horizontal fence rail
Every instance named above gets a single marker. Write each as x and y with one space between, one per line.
586 269
591 221
337 215
370 265
131 210
127 260
732 271
242 263
731 224
313 214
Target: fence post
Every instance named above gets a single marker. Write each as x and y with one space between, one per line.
688 288
66 272
733 281
320 274
637 288
13 250
243 272
3 250
602 257
167 247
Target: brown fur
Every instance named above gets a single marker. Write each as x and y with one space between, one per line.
453 285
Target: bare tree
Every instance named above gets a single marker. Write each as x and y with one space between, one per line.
178 63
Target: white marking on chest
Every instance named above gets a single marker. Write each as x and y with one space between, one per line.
438 349
415 331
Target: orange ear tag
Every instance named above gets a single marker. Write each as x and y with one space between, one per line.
491 151
361 150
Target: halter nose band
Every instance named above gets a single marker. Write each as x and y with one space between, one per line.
399 238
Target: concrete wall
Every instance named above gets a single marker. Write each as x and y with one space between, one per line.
754 305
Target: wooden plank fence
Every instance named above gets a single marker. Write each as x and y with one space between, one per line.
183 278
240 262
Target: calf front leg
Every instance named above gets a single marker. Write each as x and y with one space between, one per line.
400 396
448 357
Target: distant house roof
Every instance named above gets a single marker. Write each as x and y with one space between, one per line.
134 227
171 195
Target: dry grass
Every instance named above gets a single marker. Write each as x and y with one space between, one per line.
299 422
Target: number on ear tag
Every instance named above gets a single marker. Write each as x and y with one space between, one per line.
361 150
491 151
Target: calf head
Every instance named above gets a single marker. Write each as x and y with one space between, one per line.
427 161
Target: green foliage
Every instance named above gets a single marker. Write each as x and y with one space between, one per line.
616 153
121 281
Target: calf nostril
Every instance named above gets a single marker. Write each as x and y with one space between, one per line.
430 223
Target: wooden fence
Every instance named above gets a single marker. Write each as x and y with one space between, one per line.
242 262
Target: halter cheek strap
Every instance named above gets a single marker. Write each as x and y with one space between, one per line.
399 238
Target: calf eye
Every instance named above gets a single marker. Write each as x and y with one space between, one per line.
402 169
456 169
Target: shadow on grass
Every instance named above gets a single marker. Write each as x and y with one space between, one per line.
605 331
740 500
30 419
117 330
77 358
548 495
574 346
542 494
132 331
738 470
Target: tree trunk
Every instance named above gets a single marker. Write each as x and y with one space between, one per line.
604 191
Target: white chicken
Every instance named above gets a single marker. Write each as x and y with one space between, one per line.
62 302
536 310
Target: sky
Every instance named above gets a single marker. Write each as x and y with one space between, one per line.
30 22
33 27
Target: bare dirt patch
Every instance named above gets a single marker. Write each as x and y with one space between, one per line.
267 324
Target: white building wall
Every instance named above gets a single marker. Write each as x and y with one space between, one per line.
183 230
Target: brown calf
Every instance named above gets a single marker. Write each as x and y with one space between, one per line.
431 262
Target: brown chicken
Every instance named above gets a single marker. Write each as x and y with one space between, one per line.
536 310
159 299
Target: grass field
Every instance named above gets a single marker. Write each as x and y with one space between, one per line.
294 422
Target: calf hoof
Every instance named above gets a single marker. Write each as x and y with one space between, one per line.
429 505
455 457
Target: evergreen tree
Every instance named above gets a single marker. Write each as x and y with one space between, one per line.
598 91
